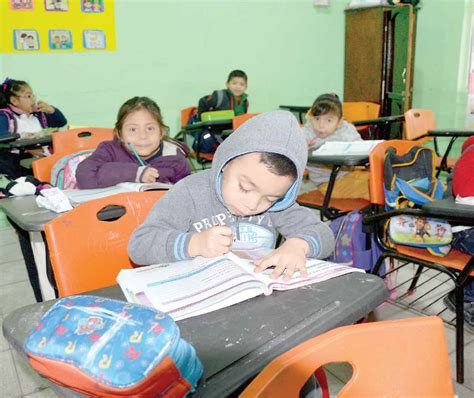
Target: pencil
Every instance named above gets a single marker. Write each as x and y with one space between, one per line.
136 154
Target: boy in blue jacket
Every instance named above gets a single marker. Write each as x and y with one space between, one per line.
244 200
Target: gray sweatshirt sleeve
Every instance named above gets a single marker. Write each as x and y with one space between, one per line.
301 222
164 236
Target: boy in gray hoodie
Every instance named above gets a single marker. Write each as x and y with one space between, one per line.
243 201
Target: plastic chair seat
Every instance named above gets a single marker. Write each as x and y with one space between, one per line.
315 198
454 259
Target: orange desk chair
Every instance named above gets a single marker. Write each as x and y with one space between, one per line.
400 358
356 111
241 119
87 253
68 142
417 124
457 265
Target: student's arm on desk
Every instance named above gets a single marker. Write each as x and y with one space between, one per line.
301 222
164 236
100 171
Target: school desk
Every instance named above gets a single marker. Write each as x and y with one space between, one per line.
237 342
380 124
8 138
337 161
31 218
22 143
300 110
450 210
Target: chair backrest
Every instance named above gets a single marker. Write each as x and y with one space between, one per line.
81 138
87 253
354 111
68 142
400 358
376 160
186 114
238 120
418 122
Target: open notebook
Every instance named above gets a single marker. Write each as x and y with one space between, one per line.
83 195
334 148
188 288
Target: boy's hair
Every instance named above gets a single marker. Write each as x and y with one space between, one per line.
326 103
279 165
10 88
135 104
237 73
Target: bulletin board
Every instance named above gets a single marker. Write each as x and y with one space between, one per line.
29 26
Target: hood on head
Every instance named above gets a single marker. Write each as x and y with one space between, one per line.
276 132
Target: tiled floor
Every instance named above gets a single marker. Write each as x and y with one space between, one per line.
18 380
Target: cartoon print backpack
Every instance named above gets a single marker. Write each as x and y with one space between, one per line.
109 348
409 181
63 173
353 245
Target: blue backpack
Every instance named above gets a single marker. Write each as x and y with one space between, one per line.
108 348
409 181
354 246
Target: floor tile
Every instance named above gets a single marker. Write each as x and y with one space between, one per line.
15 295
8 236
10 252
9 384
30 381
46 393
4 346
12 272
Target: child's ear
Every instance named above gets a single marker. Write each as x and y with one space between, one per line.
14 100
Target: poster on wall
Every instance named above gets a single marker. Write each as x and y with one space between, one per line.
57 25
60 39
56 5
24 39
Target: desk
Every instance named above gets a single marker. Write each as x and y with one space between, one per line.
29 142
8 138
30 220
450 210
384 122
300 110
237 342
337 161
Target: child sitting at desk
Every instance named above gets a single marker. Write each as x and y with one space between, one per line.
463 185
244 200
140 151
325 122
233 97
21 113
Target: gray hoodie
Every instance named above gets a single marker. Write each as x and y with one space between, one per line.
195 203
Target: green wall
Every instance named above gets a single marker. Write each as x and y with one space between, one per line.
177 51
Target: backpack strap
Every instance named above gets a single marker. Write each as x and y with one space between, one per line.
220 98
11 120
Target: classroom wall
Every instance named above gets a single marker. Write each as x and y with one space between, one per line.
176 51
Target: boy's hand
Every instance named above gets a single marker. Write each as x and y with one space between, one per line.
44 107
213 242
288 258
150 175
311 141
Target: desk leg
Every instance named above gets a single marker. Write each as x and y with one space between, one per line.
39 252
325 211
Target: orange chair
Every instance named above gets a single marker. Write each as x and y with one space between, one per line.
417 124
400 358
186 113
240 119
68 142
357 111
87 253
456 265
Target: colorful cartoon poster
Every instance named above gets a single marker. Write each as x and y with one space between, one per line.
57 25
21 5
56 5
60 39
92 5
94 39
25 40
